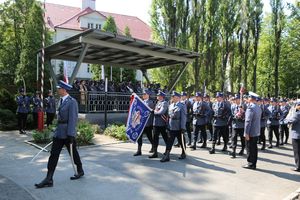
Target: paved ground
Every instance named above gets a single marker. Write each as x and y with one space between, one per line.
113 173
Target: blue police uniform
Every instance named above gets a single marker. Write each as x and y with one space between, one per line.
160 121
263 123
23 109
189 116
64 134
294 120
252 128
273 124
50 107
201 112
283 128
177 125
37 106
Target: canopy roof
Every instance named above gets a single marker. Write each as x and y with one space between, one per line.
99 47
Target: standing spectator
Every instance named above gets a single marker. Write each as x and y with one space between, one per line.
37 106
50 108
23 109
82 90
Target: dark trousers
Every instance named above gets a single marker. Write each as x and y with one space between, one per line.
235 133
157 130
296 148
203 135
251 146
284 130
35 119
50 117
188 130
262 135
22 120
55 152
210 128
220 131
180 139
275 129
148 132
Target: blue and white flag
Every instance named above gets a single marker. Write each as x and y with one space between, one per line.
138 116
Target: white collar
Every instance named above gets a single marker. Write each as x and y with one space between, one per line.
64 97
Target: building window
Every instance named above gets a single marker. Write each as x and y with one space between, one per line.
90 25
88 68
98 26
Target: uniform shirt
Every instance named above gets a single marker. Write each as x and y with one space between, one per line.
50 104
295 121
252 120
264 115
238 121
160 113
284 110
201 112
274 115
37 104
150 104
221 113
23 103
189 110
177 117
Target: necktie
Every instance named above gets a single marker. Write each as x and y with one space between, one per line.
61 101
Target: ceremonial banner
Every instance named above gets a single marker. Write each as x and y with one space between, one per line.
138 116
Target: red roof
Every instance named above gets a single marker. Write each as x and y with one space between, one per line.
66 17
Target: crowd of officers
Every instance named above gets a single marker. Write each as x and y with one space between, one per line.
224 118
33 105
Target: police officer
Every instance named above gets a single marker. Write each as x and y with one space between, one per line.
177 124
64 134
221 115
159 122
37 106
210 115
23 109
283 128
189 113
201 112
263 120
238 122
252 130
273 122
50 107
149 126
294 120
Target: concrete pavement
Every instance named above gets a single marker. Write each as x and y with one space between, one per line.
113 173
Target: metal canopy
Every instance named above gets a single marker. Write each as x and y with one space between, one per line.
99 47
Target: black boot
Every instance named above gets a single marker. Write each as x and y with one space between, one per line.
241 152
263 146
225 147
139 151
193 147
182 156
203 145
212 151
154 155
79 174
233 154
47 182
166 157
151 150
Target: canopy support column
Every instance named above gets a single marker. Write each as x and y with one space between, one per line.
79 61
176 79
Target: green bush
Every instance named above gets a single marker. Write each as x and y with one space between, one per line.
42 137
85 133
7 100
8 120
116 131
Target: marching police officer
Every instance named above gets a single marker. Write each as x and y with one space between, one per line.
294 120
177 124
50 107
189 113
159 122
64 134
37 106
149 126
23 109
238 123
252 130
283 128
263 120
201 112
210 116
273 122
221 115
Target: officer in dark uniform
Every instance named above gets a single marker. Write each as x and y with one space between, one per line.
176 124
221 115
37 106
252 130
238 122
189 115
283 128
64 134
273 122
201 112
263 120
149 126
50 107
210 116
294 120
160 121
23 109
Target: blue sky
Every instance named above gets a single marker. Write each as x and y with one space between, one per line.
139 8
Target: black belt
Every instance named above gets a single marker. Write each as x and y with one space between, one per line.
62 121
